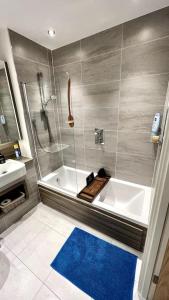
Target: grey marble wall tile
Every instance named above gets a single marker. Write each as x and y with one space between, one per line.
102 42
101 68
151 26
105 118
67 136
35 100
67 54
73 137
44 121
3 135
110 140
26 48
42 141
91 96
146 59
101 95
27 72
49 162
6 102
11 127
144 90
134 168
61 77
132 142
73 157
69 158
31 180
96 159
138 117
2 225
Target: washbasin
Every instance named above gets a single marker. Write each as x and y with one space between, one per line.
11 171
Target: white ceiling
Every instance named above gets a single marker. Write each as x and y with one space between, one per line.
71 19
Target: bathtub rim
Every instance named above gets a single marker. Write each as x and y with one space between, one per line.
130 218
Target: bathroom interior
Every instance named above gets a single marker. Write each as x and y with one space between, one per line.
84 146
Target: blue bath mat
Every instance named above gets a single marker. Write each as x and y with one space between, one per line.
103 271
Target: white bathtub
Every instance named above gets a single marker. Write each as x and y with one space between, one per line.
128 200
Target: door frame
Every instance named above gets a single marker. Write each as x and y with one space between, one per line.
160 255
160 198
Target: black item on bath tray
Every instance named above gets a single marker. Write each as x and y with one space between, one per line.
89 178
102 173
91 190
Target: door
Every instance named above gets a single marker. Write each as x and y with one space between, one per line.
162 289
159 288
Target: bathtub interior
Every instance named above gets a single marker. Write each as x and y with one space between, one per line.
132 201
66 179
123 196
126 199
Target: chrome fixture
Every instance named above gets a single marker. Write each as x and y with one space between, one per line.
99 136
51 32
44 101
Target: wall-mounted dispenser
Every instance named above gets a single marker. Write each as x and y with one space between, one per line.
99 139
155 132
2 120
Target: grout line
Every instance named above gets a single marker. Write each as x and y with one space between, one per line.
116 50
81 78
135 154
146 42
75 86
89 58
52 83
43 282
56 109
49 287
37 292
118 110
16 256
31 60
144 76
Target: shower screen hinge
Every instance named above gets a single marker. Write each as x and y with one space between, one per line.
155 279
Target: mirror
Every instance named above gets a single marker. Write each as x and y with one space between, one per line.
9 122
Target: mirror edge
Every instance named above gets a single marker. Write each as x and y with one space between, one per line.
13 100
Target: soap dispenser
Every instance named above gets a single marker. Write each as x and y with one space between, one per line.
155 132
17 151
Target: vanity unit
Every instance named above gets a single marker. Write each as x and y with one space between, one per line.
18 185
18 179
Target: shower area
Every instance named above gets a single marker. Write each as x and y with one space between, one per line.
91 105
53 135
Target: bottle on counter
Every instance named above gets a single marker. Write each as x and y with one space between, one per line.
17 151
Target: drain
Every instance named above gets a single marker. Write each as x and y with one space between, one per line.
58 180
3 172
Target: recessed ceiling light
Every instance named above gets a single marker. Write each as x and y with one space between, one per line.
51 32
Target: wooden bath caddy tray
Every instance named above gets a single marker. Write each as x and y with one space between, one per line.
90 192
